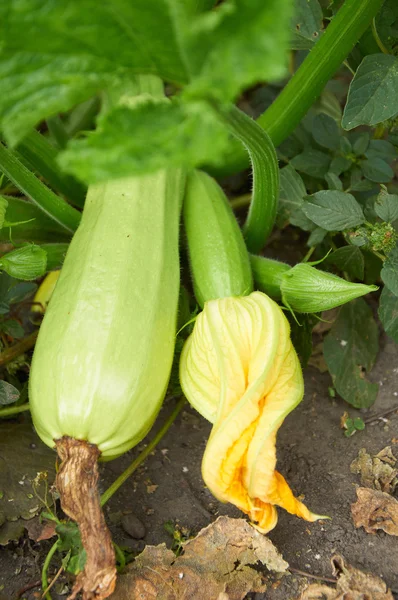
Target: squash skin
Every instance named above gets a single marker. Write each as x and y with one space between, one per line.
105 348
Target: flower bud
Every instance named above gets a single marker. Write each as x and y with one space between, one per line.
240 371
27 262
308 290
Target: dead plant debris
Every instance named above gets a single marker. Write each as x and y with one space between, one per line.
379 472
217 560
375 510
351 584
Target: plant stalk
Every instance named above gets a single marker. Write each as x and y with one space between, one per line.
56 208
306 85
142 456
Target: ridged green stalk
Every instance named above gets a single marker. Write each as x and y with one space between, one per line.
297 97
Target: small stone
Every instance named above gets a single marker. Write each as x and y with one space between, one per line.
133 526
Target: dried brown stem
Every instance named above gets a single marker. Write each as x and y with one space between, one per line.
77 485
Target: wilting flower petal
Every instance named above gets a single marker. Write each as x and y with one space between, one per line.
240 371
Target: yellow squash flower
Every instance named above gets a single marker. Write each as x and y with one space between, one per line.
240 371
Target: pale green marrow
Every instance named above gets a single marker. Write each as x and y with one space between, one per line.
105 348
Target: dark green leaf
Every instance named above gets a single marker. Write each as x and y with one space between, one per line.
334 183
381 149
333 210
149 136
339 165
299 219
307 24
373 93
345 145
12 328
55 255
312 162
317 236
301 334
373 266
361 143
350 349
388 313
57 54
325 132
389 272
8 393
350 260
387 25
358 183
377 170
386 206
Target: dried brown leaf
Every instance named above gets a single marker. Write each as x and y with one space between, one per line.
375 510
216 561
378 472
40 530
351 584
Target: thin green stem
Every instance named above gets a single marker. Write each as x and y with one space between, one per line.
306 85
41 157
240 201
142 456
262 212
14 410
44 578
377 38
51 204
12 352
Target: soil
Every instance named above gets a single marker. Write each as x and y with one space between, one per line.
314 456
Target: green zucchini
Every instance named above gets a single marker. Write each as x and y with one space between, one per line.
219 259
105 348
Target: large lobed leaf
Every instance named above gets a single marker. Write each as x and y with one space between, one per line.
56 54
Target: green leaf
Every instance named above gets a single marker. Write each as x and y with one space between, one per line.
350 260
291 194
8 393
381 149
388 313
28 262
377 170
325 132
389 272
361 143
307 24
13 291
317 236
350 349
12 328
312 162
333 210
237 45
334 183
57 54
301 334
339 165
386 206
358 183
149 136
373 93
387 25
